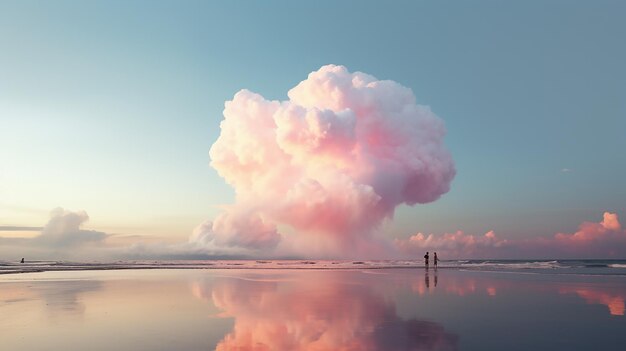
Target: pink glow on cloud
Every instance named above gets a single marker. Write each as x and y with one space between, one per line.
603 239
589 232
237 229
330 163
451 245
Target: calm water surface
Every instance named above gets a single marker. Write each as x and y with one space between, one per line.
384 309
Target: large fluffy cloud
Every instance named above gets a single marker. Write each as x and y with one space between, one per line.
331 162
64 230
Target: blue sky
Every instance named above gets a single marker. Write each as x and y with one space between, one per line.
111 106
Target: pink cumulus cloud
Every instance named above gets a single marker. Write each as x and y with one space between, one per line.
330 163
452 245
589 233
602 239
236 229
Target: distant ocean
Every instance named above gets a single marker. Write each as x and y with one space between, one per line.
581 267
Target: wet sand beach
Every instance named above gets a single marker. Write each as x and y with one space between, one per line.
382 309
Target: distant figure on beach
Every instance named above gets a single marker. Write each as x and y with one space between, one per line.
22 261
426 259
436 260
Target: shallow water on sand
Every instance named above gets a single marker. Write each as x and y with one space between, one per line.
384 309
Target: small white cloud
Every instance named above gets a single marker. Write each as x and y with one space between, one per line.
60 238
566 170
64 230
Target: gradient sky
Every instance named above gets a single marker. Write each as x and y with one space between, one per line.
111 106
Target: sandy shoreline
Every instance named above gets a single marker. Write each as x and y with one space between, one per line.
546 266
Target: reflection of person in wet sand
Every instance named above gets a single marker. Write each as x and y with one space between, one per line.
427 279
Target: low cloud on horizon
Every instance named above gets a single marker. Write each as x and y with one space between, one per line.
604 239
63 238
11 228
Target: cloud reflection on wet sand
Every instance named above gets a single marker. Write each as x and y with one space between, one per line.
327 314
614 300
391 309
61 298
593 293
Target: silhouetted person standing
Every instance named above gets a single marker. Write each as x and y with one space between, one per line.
436 260
426 259
22 261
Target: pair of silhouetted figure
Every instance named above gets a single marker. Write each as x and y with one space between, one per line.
426 257
22 261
